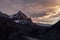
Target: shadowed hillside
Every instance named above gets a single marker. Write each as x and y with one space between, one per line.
20 27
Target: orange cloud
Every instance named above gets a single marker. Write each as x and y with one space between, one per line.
53 15
33 8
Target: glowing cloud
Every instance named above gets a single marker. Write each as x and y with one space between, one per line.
39 10
53 15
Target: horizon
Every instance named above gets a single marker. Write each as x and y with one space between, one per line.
41 11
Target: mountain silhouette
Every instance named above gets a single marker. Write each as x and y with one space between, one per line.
20 27
57 25
19 16
10 29
53 33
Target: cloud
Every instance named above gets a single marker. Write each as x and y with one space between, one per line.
50 16
27 6
32 8
36 6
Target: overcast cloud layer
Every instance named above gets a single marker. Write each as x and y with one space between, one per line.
31 8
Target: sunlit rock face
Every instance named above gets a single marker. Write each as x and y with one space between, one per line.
51 16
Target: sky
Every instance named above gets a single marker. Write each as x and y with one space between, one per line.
41 11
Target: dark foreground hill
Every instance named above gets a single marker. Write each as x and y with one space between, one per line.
20 27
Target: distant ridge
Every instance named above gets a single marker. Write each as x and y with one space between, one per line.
20 27
57 25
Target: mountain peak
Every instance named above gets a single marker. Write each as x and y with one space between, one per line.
19 16
19 12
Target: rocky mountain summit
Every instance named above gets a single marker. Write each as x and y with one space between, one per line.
20 27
